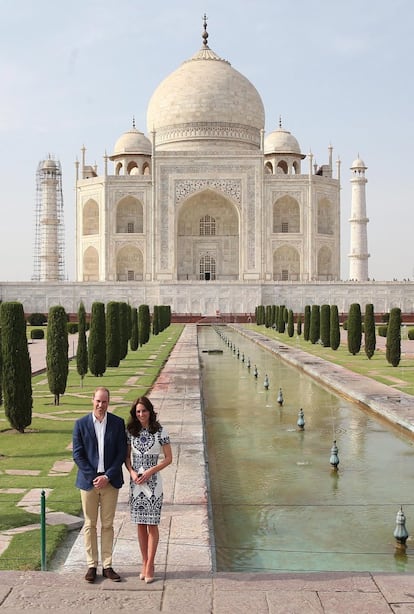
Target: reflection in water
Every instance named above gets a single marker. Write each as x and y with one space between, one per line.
277 504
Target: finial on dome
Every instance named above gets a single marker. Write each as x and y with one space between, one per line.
280 121
133 122
205 33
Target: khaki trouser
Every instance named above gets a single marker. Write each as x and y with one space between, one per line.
105 500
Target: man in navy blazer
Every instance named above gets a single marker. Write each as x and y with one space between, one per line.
99 451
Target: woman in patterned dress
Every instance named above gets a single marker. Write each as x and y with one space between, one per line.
146 439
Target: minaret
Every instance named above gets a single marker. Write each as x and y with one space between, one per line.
358 257
49 233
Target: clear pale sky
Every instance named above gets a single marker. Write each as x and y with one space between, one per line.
76 73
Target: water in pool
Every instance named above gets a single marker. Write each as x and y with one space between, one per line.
277 504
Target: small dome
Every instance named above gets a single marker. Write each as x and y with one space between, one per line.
283 142
49 164
132 142
358 163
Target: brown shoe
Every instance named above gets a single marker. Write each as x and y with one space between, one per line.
111 574
91 575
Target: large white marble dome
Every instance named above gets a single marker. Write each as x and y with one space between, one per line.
206 102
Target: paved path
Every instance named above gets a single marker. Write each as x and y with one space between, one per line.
185 580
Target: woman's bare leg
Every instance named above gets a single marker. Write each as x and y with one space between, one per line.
143 546
153 539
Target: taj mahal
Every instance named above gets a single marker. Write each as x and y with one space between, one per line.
209 214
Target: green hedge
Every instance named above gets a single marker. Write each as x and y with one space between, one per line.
382 330
37 333
37 319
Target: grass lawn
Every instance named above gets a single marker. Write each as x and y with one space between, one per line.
48 439
27 460
401 377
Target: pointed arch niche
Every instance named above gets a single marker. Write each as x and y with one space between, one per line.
286 215
325 267
325 217
91 264
208 238
90 218
286 264
129 264
129 216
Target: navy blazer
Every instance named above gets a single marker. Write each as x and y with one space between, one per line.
85 450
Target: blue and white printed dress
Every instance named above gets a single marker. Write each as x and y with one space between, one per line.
146 499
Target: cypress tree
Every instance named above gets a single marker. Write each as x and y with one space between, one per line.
1 373
306 322
281 319
290 323
315 324
129 312
16 370
326 325
134 341
162 324
369 330
164 317
276 322
124 329
168 309
335 330
112 334
82 349
97 340
354 328
156 320
273 316
144 324
57 356
270 311
299 325
261 315
393 345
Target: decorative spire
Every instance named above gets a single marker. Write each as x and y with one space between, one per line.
205 33
280 121
133 122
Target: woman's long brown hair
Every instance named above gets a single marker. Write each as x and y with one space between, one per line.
134 426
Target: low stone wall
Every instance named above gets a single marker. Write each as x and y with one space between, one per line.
211 298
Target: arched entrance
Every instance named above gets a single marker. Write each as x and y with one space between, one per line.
208 238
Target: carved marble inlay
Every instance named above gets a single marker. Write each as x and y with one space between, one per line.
220 131
230 187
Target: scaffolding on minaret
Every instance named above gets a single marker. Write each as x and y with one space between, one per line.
49 240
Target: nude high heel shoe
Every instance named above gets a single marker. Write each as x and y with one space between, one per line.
150 578
142 573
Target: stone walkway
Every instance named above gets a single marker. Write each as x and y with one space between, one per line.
185 581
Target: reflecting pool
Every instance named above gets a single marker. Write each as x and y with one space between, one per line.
277 503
